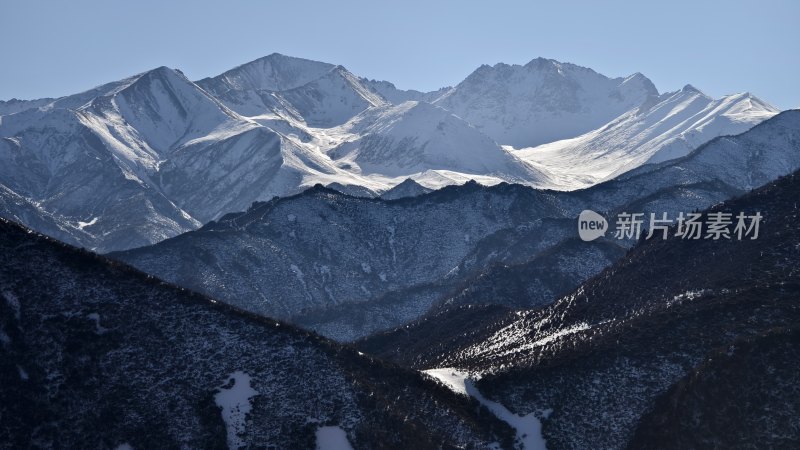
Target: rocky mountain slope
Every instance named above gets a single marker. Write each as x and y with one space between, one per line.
96 354
322 250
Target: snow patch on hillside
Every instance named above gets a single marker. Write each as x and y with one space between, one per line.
529 428
332 438
235 404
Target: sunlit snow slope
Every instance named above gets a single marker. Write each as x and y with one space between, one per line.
663 128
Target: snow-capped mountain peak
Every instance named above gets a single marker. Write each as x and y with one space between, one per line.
299 91
542 101
274 72
165 109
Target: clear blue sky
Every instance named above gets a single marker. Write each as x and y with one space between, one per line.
53 48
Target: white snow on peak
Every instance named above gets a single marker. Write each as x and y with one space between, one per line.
165 109
14 106
279 88
273 72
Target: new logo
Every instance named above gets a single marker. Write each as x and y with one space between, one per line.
591 225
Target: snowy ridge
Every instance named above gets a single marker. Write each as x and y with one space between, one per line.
396 96
105 155
311 93
14 105
663 128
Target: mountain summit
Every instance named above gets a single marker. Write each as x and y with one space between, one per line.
274 72
542 101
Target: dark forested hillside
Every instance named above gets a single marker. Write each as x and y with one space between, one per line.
95 354
625 337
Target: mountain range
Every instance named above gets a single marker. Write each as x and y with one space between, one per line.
135 161
348 267
289 255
